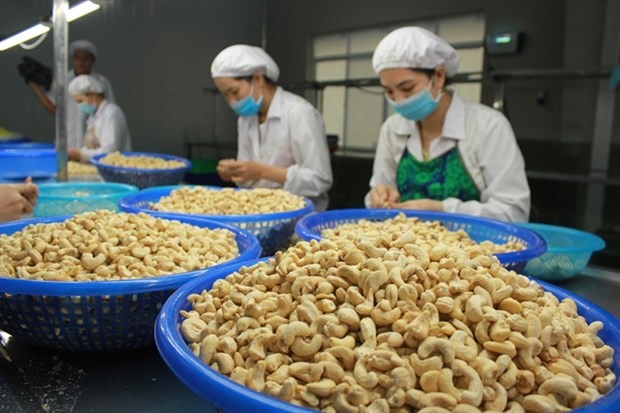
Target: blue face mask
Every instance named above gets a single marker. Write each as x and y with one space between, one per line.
247 106
418 106
87 109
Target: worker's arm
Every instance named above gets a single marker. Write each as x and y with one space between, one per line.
45 101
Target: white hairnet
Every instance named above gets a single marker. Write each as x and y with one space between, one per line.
414 48
84 84
243 60
82 45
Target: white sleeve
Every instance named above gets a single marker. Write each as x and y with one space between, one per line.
112 131
311 175
384 166
507 193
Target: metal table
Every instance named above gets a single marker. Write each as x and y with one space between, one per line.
51 381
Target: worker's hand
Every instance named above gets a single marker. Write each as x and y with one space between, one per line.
383 196
74 154
223 169
30 192
424 204
12 203
246 171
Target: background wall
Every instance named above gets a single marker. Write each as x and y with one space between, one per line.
157 55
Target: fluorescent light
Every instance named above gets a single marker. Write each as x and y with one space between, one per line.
24 36
73 13
81 9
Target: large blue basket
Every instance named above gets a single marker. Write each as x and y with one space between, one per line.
226 395
479 229
77 197
142 178
21 163
274 230
96 315
568 252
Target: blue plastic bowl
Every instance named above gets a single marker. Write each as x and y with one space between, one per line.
21 163
274 230
96 315
479 229
76 197
568 252
142 178
227 395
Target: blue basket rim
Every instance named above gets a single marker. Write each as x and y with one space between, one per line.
95 161
182 361
142 285
598 243
536 244
14 139
26 145
128 204
123 189
27 153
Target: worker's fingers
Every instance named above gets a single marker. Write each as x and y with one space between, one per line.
378 196
393 195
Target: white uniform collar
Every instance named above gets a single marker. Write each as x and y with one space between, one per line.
453 126
276 107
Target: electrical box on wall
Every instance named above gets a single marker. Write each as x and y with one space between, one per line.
505 43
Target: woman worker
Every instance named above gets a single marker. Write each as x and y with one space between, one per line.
439 152
106 126
281 137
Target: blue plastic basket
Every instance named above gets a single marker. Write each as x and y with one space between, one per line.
568 252
77 197
142 178
21 163
96 315
479 229
274 230
226 395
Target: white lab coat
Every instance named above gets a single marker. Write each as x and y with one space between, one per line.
76 124
293 137
488 149
110 129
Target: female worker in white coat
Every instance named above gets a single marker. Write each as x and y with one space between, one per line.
281 137
438 151
106 126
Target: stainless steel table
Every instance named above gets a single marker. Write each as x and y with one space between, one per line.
50 381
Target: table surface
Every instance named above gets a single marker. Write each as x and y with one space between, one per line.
44 380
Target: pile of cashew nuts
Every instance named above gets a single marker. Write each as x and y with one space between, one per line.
103 245
140 162
432 230
77 169
398 324
227 201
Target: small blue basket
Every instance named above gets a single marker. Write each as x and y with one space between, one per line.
274 230
226 395
142 178
77 197
479 229
21 163
568 252
96 315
